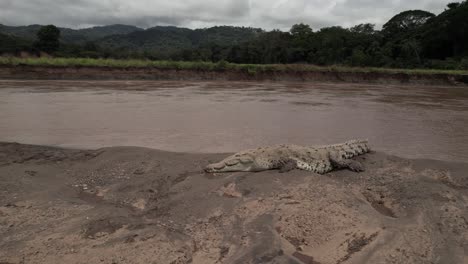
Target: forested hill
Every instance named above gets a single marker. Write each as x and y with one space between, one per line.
163 41
68 35
410 39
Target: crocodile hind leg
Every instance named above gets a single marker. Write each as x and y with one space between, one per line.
341 163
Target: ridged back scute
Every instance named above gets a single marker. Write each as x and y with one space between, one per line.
350 148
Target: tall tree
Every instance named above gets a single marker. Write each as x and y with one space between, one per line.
48 39
405 22
300 42
447 34
363 29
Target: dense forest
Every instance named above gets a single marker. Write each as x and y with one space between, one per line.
411 39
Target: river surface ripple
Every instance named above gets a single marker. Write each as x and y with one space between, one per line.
408 121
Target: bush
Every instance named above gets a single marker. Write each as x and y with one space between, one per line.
448 64
464 64
222 65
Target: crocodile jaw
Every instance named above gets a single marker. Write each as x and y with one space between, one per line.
230 164
221 167
215 167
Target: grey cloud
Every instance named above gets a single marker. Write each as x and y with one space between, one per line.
362 11
268 14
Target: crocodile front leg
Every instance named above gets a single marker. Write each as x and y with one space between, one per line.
288 166
320 167
340 163
293 164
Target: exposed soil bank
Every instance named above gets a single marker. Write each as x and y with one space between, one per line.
138 205
107 73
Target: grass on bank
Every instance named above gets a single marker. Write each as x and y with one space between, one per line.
208 66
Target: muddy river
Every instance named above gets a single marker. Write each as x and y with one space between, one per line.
409 121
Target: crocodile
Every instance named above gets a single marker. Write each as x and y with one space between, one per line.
318 159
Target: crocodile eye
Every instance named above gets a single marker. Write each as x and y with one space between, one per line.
232 162
218 166
245 160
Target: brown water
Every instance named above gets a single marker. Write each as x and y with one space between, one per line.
410 121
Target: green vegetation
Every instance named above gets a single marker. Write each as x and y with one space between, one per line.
48 39
413 39
13 45
172 43
208 66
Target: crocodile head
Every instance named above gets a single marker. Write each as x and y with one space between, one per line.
233 163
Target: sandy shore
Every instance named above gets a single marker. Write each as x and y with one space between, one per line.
137 205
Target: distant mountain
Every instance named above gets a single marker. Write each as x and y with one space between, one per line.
94 33
70 35
168 39
25 32
160 39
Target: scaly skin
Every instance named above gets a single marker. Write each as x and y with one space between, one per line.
320 159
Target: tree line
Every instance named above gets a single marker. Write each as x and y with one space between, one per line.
411 39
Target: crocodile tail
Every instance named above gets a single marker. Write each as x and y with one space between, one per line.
357 147
351 148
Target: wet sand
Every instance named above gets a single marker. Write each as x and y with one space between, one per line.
140 205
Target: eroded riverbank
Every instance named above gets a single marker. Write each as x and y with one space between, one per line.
29 72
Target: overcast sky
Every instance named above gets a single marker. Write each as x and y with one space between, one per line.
267 14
